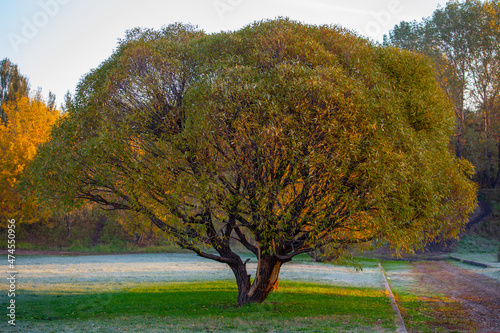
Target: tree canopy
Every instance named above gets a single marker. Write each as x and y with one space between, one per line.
281 137
463 41
28 124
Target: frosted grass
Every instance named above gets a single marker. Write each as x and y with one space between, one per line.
99 273
493 272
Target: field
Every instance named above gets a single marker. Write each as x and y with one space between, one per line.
181 292
184 293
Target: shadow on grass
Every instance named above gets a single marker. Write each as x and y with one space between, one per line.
202 301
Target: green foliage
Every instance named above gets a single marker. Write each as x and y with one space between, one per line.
90 230
463 39
283 136
490 227
471 243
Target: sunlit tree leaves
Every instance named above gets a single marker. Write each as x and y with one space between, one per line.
281 138
28 126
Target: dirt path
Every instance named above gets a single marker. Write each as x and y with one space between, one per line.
479 295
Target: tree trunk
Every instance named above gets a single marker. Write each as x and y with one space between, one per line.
242 280
276 285
265 281
497 178
68 224
98 229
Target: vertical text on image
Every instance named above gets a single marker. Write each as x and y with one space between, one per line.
11 273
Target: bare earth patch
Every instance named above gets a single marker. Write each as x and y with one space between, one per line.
479 295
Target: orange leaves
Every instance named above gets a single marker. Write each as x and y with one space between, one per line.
29 124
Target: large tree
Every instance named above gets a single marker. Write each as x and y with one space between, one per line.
283 138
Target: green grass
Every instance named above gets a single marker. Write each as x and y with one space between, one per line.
27 246
472 243
395 265
99 248
211 306
432 313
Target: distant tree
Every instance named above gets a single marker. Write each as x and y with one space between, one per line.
12 84
282 137
51 101
68 102
28 125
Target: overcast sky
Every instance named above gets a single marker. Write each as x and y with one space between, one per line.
56 42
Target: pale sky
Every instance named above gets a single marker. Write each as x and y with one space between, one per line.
56 42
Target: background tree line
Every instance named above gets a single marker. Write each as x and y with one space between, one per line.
26 121
463 41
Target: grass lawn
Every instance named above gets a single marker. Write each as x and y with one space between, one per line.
183 293
207 307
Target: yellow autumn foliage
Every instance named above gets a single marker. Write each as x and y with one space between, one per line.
28 125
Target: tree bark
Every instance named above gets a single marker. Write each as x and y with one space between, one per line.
68 224
266 279
242 280
497 178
